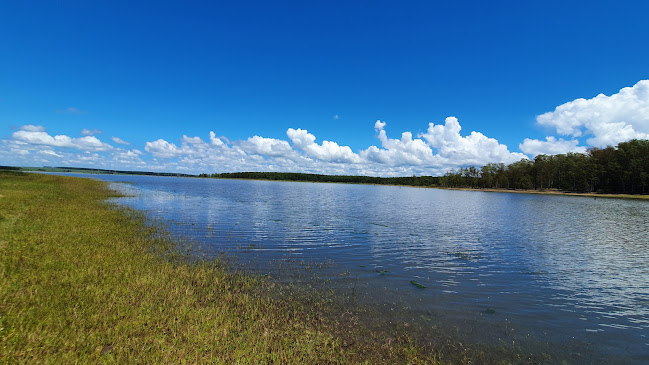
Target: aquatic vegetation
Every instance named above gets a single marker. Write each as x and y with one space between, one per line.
425 318
383 272
466 256
418 285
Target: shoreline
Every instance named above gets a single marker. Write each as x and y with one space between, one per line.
550 192
490 190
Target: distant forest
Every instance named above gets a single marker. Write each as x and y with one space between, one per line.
294 176
620 170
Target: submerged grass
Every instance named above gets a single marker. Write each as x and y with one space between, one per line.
84 281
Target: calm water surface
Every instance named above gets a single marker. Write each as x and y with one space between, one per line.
567 273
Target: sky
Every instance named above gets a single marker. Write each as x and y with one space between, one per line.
380 88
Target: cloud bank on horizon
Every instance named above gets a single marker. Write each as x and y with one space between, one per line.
603 120
600 121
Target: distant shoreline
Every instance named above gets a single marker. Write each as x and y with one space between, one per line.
84 170
409 181
550 192
488 190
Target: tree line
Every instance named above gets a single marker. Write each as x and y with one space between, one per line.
621 170
294 176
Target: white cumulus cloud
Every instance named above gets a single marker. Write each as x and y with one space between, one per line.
34 146
327 151
399 152
194 141
440 148
38 136
605 120
32 128
215 140
162 148
266 146
474 149
551 146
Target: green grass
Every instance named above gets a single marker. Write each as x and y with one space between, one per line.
82 281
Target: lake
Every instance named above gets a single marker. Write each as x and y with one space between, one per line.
561 274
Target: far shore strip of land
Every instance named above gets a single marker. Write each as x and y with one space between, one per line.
551 192
431 182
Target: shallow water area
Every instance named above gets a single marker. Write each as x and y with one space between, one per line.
562 275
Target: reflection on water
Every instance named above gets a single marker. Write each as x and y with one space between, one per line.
499 267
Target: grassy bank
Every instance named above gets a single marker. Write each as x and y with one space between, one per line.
82 281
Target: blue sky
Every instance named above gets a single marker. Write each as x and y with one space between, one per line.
274 80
